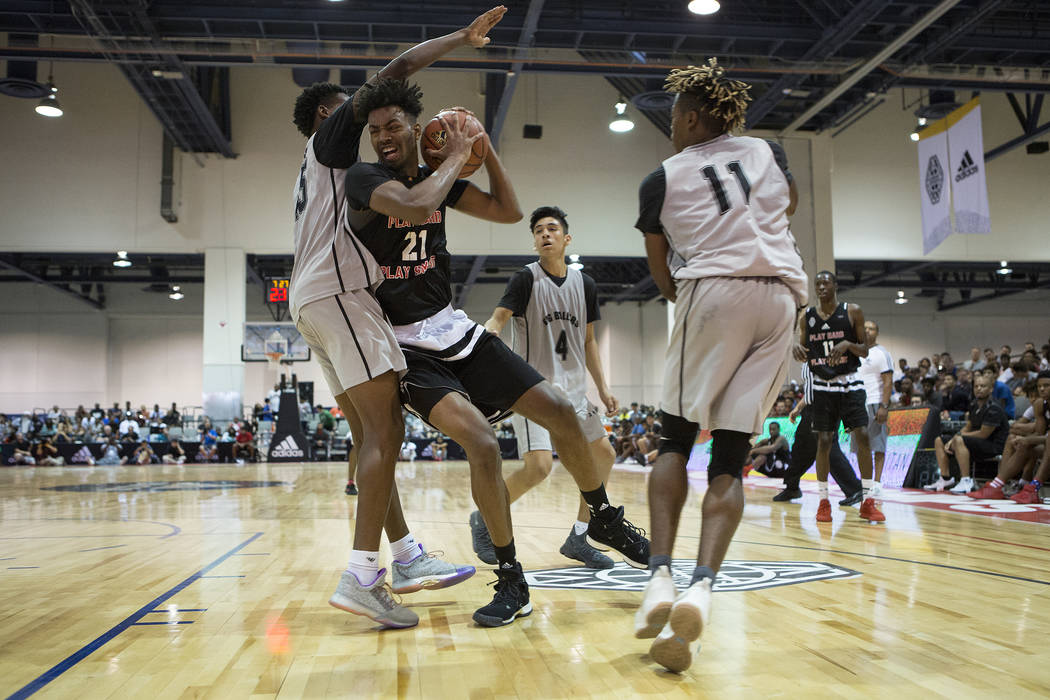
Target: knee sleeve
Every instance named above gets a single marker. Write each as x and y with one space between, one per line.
677 435
729 450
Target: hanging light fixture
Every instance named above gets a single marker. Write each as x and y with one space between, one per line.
122 259
574 262
1004 269
901 299
914 136
704 7
176 293
48 105
621 123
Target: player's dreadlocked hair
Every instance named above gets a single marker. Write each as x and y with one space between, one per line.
306 105
386 92
722 98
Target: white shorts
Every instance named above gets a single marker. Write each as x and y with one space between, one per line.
729 351
350 338
534 437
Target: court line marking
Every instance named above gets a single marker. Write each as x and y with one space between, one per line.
906 561
989 539
111 546
79 655
166 622
23 567
165 610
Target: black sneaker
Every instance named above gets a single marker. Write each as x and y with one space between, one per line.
852 500
479 535
576 547
351 489
611 528
511 599
788 495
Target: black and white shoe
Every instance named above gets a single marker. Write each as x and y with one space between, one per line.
510 602
610 528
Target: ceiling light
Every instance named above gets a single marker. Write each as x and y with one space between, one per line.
48 105
900 297
922 121
122 259
704 7
1003 268
620 123
914 136
574 262
176 294
576 266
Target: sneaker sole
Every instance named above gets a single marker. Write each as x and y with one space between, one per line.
433 583
673 653
654 621
873 519
490 621
385 621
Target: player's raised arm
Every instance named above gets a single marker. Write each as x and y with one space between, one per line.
500 203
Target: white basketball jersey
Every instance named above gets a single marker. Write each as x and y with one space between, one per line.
329 259
552 333
724 213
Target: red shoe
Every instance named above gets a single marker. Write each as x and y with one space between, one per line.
824 511
1028 495
869 511
988 491
747 470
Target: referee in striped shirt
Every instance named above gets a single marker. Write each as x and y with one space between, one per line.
804 451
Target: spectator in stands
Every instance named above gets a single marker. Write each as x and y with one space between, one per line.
439 448
983 438
129 426
322 439
901 371
976 361
156 415
97 412
209 438
1000 392
770 456
964 379
46 454
926 369
408 451
172 417
647 441
905 395
325 418
989 357
274 397
780 409
175 454
930 395
267 411
947 364
1005 350
62 433
143 454
111 454
22 453
245 444
956 398
1044 358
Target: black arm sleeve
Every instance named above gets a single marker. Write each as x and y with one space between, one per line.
361 181
590 294
651 201
518 292
781 159
338 139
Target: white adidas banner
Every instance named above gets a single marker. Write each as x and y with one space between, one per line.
969 188
934 184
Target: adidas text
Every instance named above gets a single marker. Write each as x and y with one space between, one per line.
287 448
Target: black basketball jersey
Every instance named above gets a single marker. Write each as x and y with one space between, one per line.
413 258
823 335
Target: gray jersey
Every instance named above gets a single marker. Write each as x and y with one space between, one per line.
552 333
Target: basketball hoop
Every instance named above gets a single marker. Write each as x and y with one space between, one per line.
275 348
274 360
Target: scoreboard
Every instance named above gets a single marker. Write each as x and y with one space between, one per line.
277 290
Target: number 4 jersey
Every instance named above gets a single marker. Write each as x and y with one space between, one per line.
550 325
723 206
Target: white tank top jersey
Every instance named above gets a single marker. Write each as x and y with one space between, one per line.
552 333
724 212
329 259
871 370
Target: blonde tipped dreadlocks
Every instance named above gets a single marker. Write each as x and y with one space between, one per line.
722 98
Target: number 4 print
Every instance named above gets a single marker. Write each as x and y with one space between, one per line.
720 192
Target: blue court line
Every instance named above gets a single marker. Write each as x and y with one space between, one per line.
23 567
165 610
95 549
906 561
8 558
86 650
253 554
166 622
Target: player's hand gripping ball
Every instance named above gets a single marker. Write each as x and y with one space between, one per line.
434 139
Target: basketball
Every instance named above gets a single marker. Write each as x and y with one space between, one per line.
434 137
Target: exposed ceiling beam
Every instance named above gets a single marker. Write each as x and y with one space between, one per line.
635 289
870 65
48 283
890 272
107 279
1017 142
528 31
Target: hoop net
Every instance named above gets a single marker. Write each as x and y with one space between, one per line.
274 360
275 348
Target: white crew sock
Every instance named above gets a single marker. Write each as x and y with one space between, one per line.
865 487
405 549
580 527
822 488
364 565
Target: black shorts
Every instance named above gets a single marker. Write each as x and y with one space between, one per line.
981 449
830 407
492 377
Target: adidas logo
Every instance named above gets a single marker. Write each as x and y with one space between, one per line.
287 448
966 167
825 327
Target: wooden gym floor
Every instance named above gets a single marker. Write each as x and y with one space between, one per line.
213 581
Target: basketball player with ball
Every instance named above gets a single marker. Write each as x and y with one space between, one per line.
460 376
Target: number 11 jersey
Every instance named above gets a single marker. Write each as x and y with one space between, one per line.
723 206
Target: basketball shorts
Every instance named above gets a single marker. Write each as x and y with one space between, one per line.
981 449
878 433
532 436
350 338
491 377
729 351
831 407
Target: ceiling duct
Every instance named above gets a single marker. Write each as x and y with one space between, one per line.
20 80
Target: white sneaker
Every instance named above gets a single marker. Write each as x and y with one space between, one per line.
373 601
660 595
875 491
965 485
690 613
941 484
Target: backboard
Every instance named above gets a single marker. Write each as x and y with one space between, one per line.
262 337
